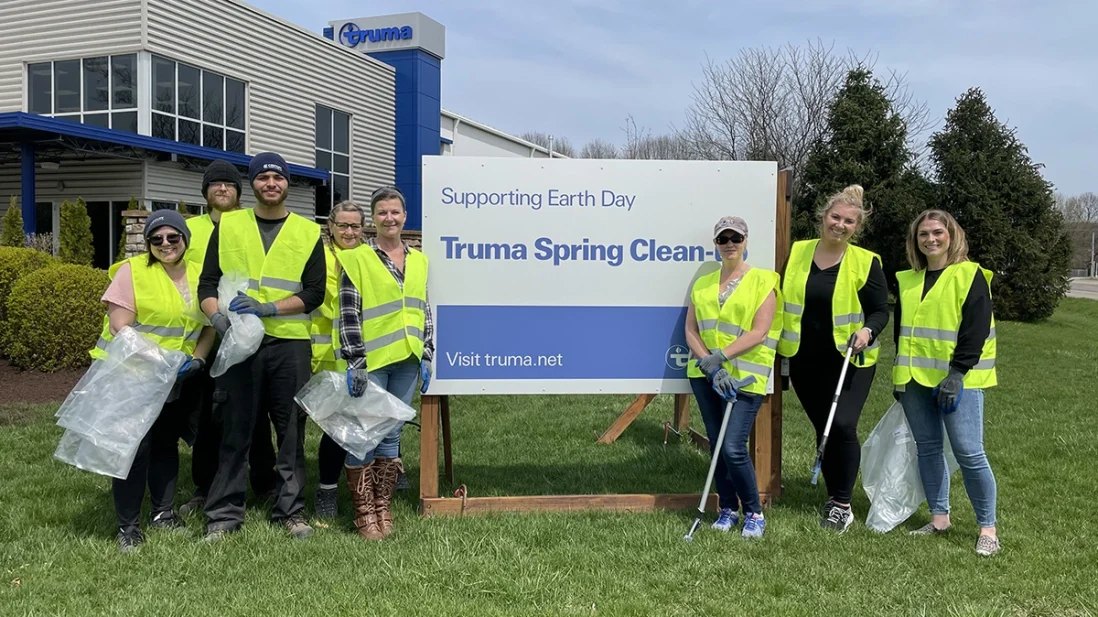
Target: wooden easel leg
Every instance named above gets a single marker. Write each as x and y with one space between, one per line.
428 448
682 412
447 448
626 418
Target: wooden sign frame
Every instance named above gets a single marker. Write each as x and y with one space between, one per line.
765 442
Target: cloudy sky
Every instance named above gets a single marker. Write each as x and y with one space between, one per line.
578 68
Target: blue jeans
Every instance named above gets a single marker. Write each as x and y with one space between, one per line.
965 428
735 473
400 380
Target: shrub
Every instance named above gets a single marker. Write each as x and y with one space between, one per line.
76 236
54 317
12 233
15 263
42 243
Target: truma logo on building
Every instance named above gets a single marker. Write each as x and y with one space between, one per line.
351 35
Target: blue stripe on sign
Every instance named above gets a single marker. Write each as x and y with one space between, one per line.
560 342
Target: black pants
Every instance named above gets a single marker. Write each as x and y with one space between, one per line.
156 464
814 377
207 443
267 380
330 460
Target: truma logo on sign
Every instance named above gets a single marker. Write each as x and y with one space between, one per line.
352 36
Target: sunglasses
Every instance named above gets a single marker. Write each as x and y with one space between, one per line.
171 238
734 238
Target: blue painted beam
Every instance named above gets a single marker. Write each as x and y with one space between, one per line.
26 196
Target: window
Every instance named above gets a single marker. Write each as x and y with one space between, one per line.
333 152
197 107
98 91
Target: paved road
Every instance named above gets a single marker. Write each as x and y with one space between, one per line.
1084 288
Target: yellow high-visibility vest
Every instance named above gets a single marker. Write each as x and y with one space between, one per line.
721 326
325 324
161 313
202 227
846 309
393 320
274 275
929 327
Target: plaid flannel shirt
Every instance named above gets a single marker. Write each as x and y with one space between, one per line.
350 315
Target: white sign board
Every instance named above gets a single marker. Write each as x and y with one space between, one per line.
572 276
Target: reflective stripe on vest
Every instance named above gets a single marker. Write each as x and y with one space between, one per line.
846 309
274 275
324 327
161 314
719 326
393 319
929 327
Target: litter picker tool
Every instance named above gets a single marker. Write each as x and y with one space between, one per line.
750 379
831 416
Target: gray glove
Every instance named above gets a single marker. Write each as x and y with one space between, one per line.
247 305
220 323
950 391
722 383
357 381
712 362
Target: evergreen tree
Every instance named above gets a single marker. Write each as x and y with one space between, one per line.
12 234
990 185
77 245
866 145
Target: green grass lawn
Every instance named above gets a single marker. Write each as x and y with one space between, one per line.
58 554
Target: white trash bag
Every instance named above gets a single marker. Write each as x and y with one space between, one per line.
356 424
245 333
890 471
115 403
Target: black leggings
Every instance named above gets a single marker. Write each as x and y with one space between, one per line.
330 460
814 378
155 465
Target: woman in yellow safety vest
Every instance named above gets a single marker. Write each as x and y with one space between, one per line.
156 294
733 322
344 231
387 336
835 295
945 359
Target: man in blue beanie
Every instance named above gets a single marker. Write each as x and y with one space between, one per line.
288 280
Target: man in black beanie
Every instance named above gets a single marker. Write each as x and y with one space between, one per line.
221 190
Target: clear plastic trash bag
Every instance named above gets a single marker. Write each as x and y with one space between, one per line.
890 471
115 403
356 424
245 333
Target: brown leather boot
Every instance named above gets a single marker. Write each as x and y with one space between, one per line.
385 480
361 482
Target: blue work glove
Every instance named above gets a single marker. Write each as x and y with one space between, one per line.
190 368
722 383
712 362
220 322
247 305
357 381
425 375
949 392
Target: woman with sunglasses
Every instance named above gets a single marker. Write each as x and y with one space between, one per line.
156 293
387 337
344 232
835 296
733 322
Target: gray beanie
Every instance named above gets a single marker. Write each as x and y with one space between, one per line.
171 218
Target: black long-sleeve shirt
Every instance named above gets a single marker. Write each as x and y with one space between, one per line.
817 328
314 276
975 321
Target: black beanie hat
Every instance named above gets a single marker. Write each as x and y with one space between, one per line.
221 170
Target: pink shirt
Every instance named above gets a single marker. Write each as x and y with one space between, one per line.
119 294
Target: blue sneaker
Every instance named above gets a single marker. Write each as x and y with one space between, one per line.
753 526
727 519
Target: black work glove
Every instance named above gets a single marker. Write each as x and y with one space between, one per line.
950 391
357 381
220 323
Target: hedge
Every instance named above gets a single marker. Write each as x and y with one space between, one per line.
17 262
54 317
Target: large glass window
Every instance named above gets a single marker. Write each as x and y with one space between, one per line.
199 107
98 91
333 152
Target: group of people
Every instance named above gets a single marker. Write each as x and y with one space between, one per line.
359 306
833 297
336 303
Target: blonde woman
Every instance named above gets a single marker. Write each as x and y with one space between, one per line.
945 359
835 296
